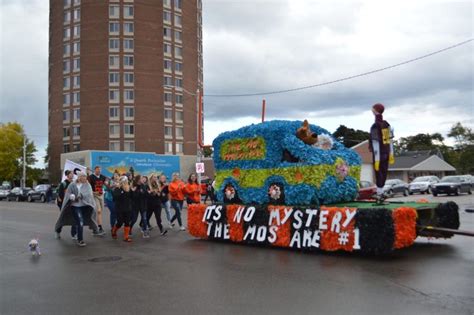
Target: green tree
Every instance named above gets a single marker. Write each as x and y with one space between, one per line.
11 151
350 137
207 151
463 136
464 144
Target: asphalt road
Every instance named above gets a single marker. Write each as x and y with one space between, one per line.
177 274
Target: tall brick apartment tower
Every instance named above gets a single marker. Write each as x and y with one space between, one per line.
122 74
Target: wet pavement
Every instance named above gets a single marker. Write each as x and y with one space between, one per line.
178 274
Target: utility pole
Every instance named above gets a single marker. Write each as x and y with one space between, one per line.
198 146
23 180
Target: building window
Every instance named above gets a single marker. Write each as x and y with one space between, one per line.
128 96
114 61
128 11
168 132
76 131
128 44
76 64
178 52
67 3
76 48
66 33
76 147
129 130
77 2
169 147
128 113
179 99
129 145
167 3
114 113
179 82
177 4
66 99
179 148
66 116
114 28
179 116
67 17
77 14
168 97
66 132
66 83
167 32
167 65
76 81
66 66
114 130
66 50
178 67
128 27
178 36
114 11
168 81
128 78
66 148
168 115
177 20
114 78
114 145
77 31
128 61
76 98
114 96
167 17
114 44
76 114
179 132
167 49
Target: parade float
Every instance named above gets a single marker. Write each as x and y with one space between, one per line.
290 184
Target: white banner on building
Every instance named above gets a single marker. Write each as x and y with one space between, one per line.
73 167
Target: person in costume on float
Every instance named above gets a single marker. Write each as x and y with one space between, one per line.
381 146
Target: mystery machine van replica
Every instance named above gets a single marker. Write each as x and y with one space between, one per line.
268 163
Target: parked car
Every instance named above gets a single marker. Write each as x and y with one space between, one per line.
39 193
422 184
18 194
451 185
470 179
395 186
367 190
4 192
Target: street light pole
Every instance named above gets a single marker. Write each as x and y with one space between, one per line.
23 180
198 147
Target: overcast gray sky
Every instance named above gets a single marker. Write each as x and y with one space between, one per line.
265 45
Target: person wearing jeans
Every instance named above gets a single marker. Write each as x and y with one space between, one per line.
176 192
165 198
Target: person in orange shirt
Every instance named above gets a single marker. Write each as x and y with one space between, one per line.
193 190
176 192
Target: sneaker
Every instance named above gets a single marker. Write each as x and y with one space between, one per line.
171 225
150 227
101 230
57 235
146 234
164 232
98 233
81 243
74 237
181 228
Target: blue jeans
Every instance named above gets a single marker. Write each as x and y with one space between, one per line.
177 206
113 214
79 221
166 205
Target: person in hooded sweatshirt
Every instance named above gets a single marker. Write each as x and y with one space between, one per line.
139 206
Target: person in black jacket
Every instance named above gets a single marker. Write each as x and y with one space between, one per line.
154 203
140 197
63 186
123 206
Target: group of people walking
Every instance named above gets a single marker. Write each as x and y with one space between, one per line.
130 200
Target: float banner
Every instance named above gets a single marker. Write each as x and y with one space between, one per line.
375 231
142 163
73 167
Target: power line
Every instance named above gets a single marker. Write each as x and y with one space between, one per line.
345 78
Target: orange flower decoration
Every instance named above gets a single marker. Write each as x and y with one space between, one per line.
299 177
422 200
236 172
